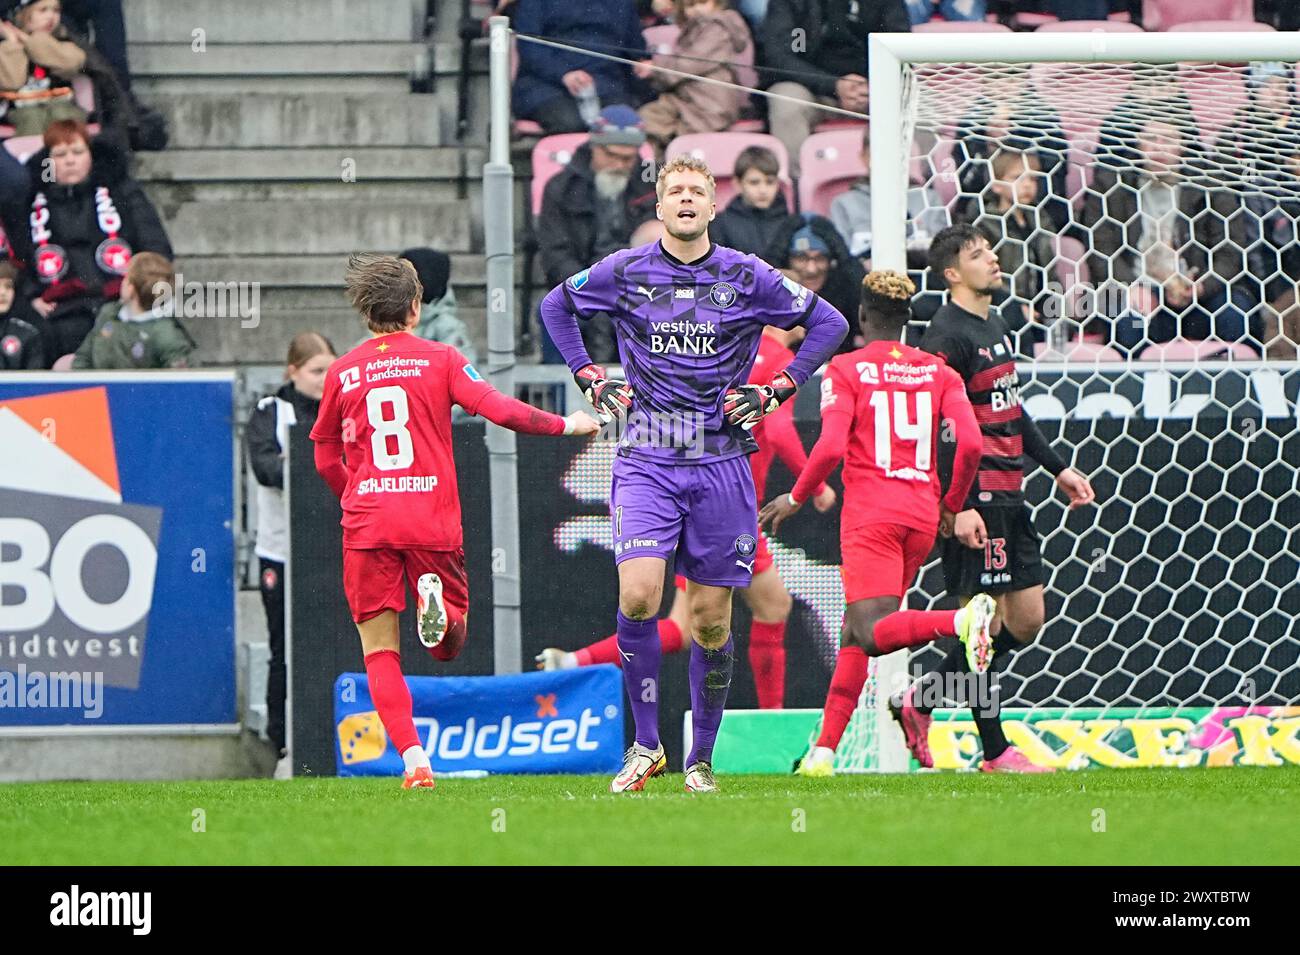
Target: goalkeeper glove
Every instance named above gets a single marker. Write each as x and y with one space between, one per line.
611 397
747 405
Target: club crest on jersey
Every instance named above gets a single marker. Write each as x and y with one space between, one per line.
722 294
579 280
11 345
471 372
746 545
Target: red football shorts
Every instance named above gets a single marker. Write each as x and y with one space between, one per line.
762 562
376 580
881 560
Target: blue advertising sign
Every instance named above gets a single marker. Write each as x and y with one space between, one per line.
567 721
117 550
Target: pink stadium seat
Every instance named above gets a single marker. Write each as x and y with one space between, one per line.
1088 26
661 39
746 126
553 153
1083 98
1071 267
940 156
1166 14
1079 352
1181 349
1221 26
960 26
23 148
720 150
1032 21
83 91
63 363
839 122
828 163
1215 95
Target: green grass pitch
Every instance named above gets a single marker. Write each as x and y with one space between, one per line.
1149 817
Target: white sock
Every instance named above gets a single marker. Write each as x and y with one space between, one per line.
823 753
414 757
959 621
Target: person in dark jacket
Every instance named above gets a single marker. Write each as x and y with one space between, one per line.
808 249
552 85
593 206
77 234
20 341
752 218
295 403
829 67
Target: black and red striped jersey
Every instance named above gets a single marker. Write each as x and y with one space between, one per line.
980 351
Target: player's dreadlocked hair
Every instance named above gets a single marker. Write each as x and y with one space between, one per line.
886 299
382 288
683 163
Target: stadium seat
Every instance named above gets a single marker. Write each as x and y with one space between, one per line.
661 39
1181 349
1088 26
83 91
1078 352
1215 95
828 162
720 150
746 126
960 26
1222 26
1165 14
839 122
552 153
23 148
1031 21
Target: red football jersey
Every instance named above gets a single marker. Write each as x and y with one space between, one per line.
897 396
388 401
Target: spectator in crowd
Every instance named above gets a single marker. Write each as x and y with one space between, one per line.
1023 242
809 250
295 403
1010 114
103 19
438 320
140 330
758 210
37 65
712 38
1274 261
593 206
828 68
1176 244
78 234
562 90
954 11
20 341
851 213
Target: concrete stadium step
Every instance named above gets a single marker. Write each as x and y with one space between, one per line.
255 21
275 59
147 87
311 271
279 227
395 163
170 194
223 341
232 120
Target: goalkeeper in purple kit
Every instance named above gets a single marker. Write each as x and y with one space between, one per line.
688 316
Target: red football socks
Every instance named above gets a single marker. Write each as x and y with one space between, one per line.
767 660
606 651
391 697
842 698
908 628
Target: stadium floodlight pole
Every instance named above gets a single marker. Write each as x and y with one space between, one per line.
499 247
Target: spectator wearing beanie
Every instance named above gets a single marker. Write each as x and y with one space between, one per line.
438 321
20 341
140 330
809 250
78 234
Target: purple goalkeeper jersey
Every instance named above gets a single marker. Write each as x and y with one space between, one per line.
687 333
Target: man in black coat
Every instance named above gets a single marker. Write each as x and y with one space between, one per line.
816 52
593 206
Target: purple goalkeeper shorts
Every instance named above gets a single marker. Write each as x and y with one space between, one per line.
706 512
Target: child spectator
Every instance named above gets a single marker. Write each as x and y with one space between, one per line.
20 342
712 37
752 219
438 321
37 66
295 403
851 212
139 330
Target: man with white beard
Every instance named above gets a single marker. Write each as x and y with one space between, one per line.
592 207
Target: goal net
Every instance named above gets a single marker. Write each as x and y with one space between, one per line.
1144 204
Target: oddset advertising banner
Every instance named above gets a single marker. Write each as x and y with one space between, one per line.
117 550
569 721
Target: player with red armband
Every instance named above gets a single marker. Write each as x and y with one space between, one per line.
384 446
882 406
